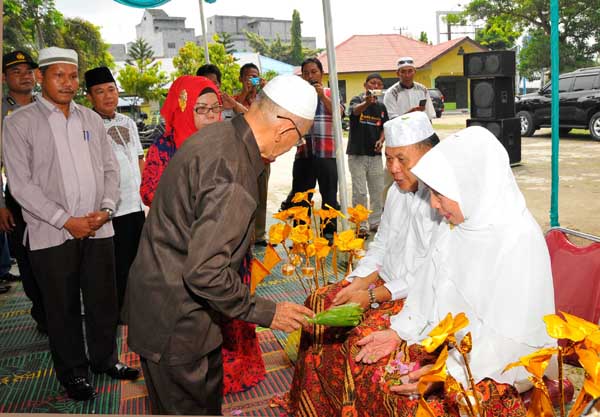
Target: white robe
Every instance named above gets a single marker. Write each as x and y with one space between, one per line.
402 241
494 266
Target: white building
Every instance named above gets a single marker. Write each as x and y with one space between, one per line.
164 33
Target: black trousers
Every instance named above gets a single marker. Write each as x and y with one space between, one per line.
128 229
62 272
195 388
307 173
19 251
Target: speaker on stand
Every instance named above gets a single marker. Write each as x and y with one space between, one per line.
492 95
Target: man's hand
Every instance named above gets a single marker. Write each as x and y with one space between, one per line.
343 297
7 221
377 345
96 219
379 144
79 227
319 89
289 316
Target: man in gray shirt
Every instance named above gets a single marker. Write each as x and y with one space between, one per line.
64 174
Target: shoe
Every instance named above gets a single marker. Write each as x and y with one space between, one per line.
10 277
261 242
363 233
374 228
122 371
4 289
78 388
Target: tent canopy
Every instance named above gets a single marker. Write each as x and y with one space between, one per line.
143 4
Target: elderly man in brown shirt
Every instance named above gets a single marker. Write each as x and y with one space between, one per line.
184 280
62 171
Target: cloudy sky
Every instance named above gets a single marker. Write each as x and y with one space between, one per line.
117 22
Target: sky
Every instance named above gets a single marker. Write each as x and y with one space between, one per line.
350 17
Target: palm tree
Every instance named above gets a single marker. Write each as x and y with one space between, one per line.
140 54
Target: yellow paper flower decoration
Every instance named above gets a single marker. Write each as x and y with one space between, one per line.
301 234
325 214
591 364
339 213
282 215
358 214
322 247
445 330
572 327
305 196
346 241
437 373
278 233
311 250
299 213
535 363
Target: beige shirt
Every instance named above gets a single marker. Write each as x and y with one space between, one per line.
57 168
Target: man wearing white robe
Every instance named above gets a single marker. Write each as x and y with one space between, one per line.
408 221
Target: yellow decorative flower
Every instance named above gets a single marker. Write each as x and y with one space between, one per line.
322 247
282 215
591 364
437 373
301 234
466 344
299 213
325 214
536 362
445 330
311 250
305 196
346 241
572 327
339 213
358 214
278 233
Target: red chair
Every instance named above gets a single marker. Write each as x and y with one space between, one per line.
576 273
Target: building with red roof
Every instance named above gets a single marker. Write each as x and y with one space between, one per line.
439 66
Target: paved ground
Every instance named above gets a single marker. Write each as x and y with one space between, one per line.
579 191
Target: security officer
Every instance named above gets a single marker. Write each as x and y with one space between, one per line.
17 74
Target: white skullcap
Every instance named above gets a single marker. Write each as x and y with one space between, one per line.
54 55
406 61
407 129
293 94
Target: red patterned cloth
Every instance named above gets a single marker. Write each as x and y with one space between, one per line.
329 382
243 365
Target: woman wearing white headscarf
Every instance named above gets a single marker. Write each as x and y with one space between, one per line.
493 265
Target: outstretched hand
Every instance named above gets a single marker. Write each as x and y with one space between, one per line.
377 345
290 316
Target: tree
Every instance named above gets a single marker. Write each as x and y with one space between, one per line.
31 25
579 28
140 53
423 37
276 49
296 53
225 40
497 34
142 77
191 56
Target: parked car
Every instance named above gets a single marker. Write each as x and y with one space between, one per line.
579 95
437 99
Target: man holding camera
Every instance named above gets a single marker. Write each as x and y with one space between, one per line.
251 82
407 95
367 116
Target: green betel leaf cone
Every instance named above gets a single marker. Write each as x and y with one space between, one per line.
347 315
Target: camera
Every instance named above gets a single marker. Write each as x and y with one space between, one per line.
376 93
255 80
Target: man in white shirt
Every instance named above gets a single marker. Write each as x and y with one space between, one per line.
128 219
408 222
407 95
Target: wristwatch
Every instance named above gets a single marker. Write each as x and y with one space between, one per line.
109 211
372 300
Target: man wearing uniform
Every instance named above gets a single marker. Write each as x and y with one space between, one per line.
64 174
17 74
129 217
407 95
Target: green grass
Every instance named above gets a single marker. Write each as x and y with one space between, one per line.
448 105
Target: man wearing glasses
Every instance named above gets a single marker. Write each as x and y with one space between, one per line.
184 281
406 95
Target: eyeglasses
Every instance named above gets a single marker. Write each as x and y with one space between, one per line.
204 109
406 61
301 140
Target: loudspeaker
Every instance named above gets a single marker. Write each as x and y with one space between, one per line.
489 64
508 132
493 98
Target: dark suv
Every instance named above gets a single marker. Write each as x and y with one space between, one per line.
579 93
437 98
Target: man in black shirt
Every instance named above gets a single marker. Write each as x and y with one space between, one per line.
367 116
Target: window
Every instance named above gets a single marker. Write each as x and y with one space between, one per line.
171 45
564 84
585 82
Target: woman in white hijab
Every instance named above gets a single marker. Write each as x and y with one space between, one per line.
491 263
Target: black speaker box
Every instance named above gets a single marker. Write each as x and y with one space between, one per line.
493 98
489 64
508 132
